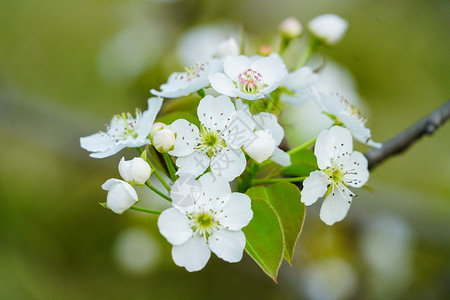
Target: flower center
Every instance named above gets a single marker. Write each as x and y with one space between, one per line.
353 110
126 126
250 82
204 223
192 72
210 142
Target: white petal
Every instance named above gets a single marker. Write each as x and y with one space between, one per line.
261 147
195 163
270 121
149 116
223 84
111 151
237 212
333 143
228 245
187 135
233 65
97 142
272 69
239 129
193 255
299 79
121 195
356 168
214 187
280 157
186 190
314 187
174 226
214 112
335 207
228 163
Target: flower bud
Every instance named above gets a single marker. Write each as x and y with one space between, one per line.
156 127
328 28
261 147
265 50
227 47
164 140
136 170
290 28
121 195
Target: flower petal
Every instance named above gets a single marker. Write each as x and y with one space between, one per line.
223 84
97 142
228 245
272 69
149 116
314 187
239 129
270 121
111 151
335 207
228 163
333 143
233 65
174 226
236 213
214 113
356 170
280 157
187 135
214 187
192 255
195 163
185 191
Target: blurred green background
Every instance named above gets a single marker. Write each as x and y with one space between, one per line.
67 66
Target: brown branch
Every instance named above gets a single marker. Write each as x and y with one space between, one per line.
405 139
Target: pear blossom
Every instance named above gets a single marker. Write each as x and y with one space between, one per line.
290 28
210 219
156 127
217 143
345 113
136 170
248 78
123 131
328 28
268 121
121 195
261 147
227 47
191 80
299 85
340 167
164 140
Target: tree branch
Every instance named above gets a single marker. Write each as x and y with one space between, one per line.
402 141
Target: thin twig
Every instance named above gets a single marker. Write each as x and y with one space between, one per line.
405 139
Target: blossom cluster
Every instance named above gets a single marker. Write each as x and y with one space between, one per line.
237 132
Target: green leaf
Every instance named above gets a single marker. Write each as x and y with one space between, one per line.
285 199
303 162
265 238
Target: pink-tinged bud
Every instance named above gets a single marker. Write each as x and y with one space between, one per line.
156 127
227 47
121 195
265 50
136 170
164 140
291 28
261 147
329 28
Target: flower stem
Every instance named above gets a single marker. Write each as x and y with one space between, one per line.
302 146
170 166
155 212
246 183
313 44
275 180
147 183
155 171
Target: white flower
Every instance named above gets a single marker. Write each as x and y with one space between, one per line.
121 195
328 28
261 147
348 115
290 28
299 85
340 167
164 140
268 121
157 127
227 47
123 131
217 144
136 170
194 78
211 221
249 79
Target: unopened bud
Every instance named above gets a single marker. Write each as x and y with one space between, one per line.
265 50
156 127
290 28
121 195
136 170
227 47
329 28
164 140
261 147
